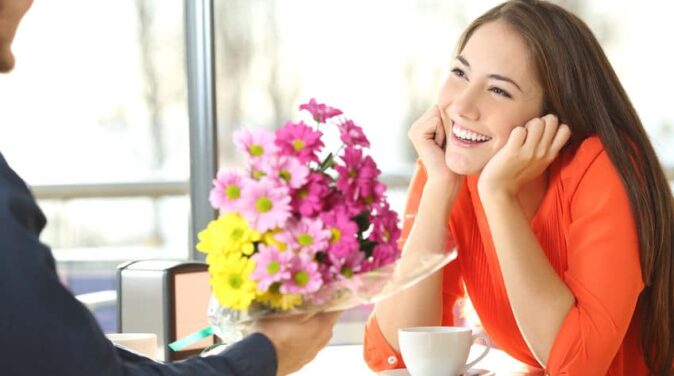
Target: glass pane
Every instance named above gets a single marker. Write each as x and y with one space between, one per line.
99 96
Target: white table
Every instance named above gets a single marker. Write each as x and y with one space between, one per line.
347 360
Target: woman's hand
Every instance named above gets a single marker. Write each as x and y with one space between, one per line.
525 156
429 138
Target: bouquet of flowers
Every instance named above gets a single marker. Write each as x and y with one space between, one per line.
298 229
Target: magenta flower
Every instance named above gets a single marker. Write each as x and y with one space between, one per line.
385 226
271 266
383 254
343 232
320 111
306 236
265 204
300 141
308 200
358 176
288 170
304 278
255 143
226 193
351 134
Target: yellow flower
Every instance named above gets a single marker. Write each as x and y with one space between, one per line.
269 238
275 299
229 233
230 279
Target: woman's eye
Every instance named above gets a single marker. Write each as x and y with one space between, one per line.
458 72
499 91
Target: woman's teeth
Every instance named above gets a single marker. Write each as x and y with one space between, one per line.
469 136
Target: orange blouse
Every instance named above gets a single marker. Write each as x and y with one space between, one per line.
587 230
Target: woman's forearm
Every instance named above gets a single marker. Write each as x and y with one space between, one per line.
421 304
539 298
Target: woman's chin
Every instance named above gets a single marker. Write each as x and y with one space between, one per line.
461 166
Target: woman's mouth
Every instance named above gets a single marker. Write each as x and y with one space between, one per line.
469 137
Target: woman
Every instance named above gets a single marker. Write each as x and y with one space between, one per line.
535 165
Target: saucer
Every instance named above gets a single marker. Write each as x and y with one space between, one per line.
470 372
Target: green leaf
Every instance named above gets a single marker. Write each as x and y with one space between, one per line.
327 162
363 221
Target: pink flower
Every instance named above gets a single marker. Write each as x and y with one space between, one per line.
385 226
256 143
265 205
358 176
289 170
320 111
343 232
304 278
271 266
351 134
308 200
383 254
306 236
300 141
226 193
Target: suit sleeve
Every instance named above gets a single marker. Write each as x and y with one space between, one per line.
44 330
603 273
378 354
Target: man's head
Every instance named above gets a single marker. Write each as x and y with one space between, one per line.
11 12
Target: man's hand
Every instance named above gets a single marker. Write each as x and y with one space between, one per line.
298 338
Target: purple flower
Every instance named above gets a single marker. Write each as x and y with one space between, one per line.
306 236
304 278
289 170
226 193
383 254
308 200
320 111
265 205
343 232
271 266
300 141
351 134
256 143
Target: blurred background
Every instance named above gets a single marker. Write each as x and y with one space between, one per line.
95 117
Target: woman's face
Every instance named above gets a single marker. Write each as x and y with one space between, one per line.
492 88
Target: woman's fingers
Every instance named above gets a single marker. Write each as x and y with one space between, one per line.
561 138
551 128
535 129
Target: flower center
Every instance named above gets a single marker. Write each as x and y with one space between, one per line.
303 193
263 205
259 174
387 235
305 240
235 281
256 150
346 271
298 145
236 234
301 278
285 175
352 173
336 235
232 192
368 200
273 267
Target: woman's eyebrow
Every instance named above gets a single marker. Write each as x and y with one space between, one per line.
493 75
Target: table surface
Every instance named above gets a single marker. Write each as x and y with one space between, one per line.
348 360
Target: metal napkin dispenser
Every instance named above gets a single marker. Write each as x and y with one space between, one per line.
168 298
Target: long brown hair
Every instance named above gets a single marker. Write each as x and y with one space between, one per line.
582 89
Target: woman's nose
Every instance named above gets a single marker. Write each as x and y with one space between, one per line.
465 103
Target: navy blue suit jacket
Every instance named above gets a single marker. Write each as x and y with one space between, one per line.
44 330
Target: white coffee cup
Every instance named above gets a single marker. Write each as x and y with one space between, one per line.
142 343
438 350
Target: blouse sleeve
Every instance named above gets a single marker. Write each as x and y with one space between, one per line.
603 273
378 354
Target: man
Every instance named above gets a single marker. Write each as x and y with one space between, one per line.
45 331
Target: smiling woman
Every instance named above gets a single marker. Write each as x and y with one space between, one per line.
544 214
